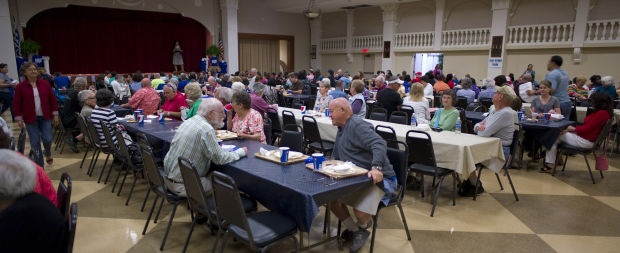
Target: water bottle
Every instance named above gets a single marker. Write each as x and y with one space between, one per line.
458 126
413 122
184 112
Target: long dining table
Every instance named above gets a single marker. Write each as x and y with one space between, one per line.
458 152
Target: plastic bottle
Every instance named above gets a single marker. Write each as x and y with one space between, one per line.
413 121
458 126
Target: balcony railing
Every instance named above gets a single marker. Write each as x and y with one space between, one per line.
368 42
413 41
466 38
601 31
539 35
333 44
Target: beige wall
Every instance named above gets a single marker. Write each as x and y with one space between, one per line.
334 25
605 9
530 12
415 17
402 61
467 14
367 21
339 61
466 62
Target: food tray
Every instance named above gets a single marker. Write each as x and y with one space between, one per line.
326 170
225 135
277 159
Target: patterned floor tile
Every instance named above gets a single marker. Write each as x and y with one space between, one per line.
446 241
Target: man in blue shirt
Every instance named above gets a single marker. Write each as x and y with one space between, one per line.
338 91
136 85
559 83
62 82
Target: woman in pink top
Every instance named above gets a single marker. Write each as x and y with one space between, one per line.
247 123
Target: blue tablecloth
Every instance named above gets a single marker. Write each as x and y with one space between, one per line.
121 111
545 132
291 190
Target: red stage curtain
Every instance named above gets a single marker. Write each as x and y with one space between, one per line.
91 40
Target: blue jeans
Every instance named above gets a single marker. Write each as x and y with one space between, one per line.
506 152
7 103
566 107
40 130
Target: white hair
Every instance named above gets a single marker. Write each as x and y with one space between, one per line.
607 80
224 93
83 95
237 86
208 105
259 87
79 83
18 175
380 78
325 82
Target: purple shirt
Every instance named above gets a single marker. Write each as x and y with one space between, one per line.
259 104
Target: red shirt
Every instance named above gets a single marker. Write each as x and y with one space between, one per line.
23 102
146 99
175 104
592 125
451 84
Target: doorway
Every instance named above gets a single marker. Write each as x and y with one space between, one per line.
424 62
369 64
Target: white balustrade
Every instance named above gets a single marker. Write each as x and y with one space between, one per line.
419 40
333 44
544 34
479 37
603 31
368 42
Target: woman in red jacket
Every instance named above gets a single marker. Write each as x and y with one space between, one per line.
35 107
585 135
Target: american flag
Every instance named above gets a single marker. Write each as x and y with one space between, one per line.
16 41
220 44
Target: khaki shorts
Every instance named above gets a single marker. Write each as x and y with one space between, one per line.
179 188
365 200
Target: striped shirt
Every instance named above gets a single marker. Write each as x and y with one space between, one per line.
103 115
195 140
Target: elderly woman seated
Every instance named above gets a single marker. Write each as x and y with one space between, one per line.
466 90
323 98
445 118
247 123
193 93
88 102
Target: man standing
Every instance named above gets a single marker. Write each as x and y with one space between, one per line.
146 98
559 83
357 142
389 98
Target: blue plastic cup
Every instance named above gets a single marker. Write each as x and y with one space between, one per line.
520 115
161 118
135 115
318 160
284 155
326 112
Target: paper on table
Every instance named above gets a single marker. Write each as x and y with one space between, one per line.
152 117
228 148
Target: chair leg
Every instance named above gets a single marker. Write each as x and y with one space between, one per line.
163 242
103 168
84 158
453 190
217 239
402 216
133 185
512 185
225 237
565 160
589 169
148 190
191 229
159 210
374 231
93 162
109 171
436 196
422 186
120 188
150 214
478 183
501 187
118 175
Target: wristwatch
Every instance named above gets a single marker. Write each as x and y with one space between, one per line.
377 167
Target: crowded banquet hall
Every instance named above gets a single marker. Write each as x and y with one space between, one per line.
309 125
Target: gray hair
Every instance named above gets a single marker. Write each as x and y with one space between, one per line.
466 83
18 175
325 82
83 95
174 81
225 94
208 105
193 91
527 77
380 78
237 86
79 83
156 76
258 87
607 80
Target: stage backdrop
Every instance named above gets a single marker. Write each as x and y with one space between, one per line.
91 40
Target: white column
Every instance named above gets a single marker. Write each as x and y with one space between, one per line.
579 34
349 38
229 33
389 29
499 24
440 6
315 40
7 52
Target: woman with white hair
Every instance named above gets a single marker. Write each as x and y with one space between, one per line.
323 98
237 86
608 87
88 102
29 222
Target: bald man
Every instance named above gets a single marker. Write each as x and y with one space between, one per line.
146 98
356 141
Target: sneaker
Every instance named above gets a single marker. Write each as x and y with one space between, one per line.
72 144
359 239
346 235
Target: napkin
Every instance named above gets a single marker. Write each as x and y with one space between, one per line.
228 148
152 117
265 152
423 127
557 117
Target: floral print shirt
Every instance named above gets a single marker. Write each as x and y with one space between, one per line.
252 124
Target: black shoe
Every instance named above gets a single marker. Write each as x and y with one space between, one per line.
413 183
72 144
359 239
480 189
467 189
546 169
346 235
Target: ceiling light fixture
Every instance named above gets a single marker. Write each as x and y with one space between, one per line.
311 12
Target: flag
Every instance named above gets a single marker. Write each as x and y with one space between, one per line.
16 41
220 44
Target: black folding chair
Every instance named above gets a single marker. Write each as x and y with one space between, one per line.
312 136
399 117
21 141
259 230
409 110
267 130
513 149
292 137
461 102
130 164
288 118
566 149
113 150
276 129
388 134
63 194
72 226
422 159
157 185
87 139
379 113
486 102
437 101
99 148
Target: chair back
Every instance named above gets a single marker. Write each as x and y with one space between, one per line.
267 130
378 113
288 118
292 137
430 102
63 194
83 127
153 176
589 111
437 100
196 194
461 102
272 114
21 141
388 134
72 226
420 148
122 148
399 117
93 133
486 102
407 109
603 134
109 141
398 159
228 203
466 125
311 130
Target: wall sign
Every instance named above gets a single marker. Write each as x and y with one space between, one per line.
313 52
495 62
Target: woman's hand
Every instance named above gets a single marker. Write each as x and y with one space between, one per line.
570 129
552 111
21 124
56 121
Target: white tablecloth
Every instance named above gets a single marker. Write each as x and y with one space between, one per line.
459 152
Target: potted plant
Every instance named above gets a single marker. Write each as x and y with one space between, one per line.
29 47
213 50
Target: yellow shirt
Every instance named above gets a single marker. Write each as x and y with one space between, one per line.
156 82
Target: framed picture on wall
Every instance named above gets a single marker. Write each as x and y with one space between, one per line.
496 46
386 49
